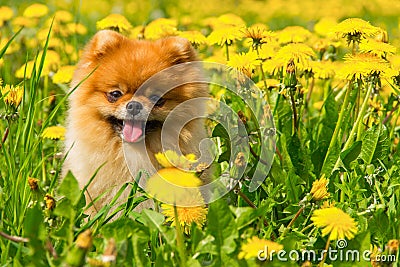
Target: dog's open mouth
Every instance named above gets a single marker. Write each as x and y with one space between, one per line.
133 131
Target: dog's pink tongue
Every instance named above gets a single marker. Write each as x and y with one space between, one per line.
132 131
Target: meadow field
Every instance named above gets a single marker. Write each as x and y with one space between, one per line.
325 77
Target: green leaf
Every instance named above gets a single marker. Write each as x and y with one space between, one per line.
293 183
375 144
33 224
246 215
220 131
122 229
154 221
69 188
65 209
331 160
4 49
351 154
221 225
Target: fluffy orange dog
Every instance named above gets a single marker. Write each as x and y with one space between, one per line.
105 110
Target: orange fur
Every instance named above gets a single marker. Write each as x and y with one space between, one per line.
123 64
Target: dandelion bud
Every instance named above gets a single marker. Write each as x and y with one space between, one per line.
290 80
240 160
242 117
76 256
12 95
33 183
50 202
84 240
319 190
393 246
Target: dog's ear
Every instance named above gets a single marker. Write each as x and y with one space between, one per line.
103 42
179 49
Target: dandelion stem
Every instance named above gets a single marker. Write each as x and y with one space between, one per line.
338 124
295 124
391 113
245 198
360 116
14 238
326 250
379 193
289 226
295 217
179 239
263 74
227 51
6 132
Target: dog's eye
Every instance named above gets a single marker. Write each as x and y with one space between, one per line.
157 100
114 95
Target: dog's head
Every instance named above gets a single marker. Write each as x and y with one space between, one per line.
116 90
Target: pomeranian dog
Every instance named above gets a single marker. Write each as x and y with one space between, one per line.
106 112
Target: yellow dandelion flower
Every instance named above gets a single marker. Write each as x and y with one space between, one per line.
355 29
63 16
64 74
54 133
293 34
172 186
271 84
324 26
362 65
231 19
226 34
115 22
300 53
335 222
377 48
268 50
192 213
273 66
319 190
76 28
259 34
36 11
245 62
21 21
395 61
196 38
6 13
12 48
12 95
19 73
256 247
171 159
323 69
160 28
137 32
51 62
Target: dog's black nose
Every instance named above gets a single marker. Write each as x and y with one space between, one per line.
134 107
